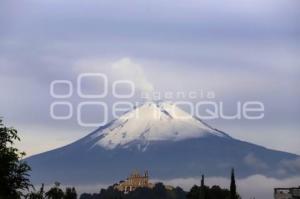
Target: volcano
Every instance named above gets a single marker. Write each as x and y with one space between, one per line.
162 138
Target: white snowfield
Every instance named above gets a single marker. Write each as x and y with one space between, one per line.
153 121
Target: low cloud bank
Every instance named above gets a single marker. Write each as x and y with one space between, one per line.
256 186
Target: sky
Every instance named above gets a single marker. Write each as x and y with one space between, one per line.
242 50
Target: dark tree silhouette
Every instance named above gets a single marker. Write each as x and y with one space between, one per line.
70 193
202 188
233 194
202 181
14 176
55 192
37 195
193 193
159 191
206 192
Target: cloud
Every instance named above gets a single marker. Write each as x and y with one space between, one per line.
254 162
257 186
125 68
116 69
292 165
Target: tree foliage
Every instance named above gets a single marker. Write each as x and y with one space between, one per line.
14 177
37 195
205 192
233 194
70 193
55 192
159 191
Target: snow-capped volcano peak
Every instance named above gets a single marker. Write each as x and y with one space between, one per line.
152 121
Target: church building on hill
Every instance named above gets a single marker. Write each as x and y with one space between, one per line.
135 180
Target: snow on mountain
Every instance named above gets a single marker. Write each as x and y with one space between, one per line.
152 121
